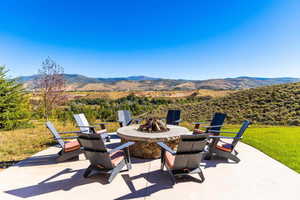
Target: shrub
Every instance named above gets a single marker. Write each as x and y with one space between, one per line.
14 104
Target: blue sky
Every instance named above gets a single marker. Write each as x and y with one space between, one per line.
172 38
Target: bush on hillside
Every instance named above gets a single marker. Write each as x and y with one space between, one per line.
274 105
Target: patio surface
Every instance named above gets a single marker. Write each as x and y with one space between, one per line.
257 176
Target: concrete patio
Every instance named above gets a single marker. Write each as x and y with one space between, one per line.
257 176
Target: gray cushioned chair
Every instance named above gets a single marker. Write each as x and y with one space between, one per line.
69 149
187 158
103 160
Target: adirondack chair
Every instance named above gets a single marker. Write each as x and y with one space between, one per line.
86 128
103 160
187 158
125 119
173 117
69 149
225 149
215 124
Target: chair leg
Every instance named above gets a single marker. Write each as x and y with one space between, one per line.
128 165
127 159
233 157
208 156
173 179
76 157
201 176
228 155
116 170
67 156
162 167
162 159
113 174
235 152
88 171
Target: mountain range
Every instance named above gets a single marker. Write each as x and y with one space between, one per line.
77 82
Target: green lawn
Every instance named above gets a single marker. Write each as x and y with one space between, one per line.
279 142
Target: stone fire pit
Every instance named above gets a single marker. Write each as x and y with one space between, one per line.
145 143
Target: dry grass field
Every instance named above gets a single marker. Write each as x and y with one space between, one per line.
154 94
21 143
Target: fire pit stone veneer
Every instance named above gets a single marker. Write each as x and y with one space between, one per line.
145 142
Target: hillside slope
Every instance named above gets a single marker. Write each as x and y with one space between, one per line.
276 105
144 83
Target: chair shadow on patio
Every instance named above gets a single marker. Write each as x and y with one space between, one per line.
45 186
157 181
214 162
38 160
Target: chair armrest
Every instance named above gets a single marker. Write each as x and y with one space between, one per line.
137 120
68 132
103 123
177 121
225 137
104 135
212 126
215 131
166 147
223 142
200 122
87 126
71 137
127 144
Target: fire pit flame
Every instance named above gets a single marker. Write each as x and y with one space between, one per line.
153 125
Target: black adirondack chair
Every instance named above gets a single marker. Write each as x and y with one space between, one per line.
69 149
103 160
224 149
173 117
125 119
215 124
187 158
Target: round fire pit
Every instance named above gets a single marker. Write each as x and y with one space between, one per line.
145 143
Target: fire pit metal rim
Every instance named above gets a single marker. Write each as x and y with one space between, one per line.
130 133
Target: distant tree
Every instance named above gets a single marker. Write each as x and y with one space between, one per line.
50 87
14 105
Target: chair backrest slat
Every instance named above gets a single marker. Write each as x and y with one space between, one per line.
190 151
95 150
55 134
124 116
82 121
217 120
242 130
172 116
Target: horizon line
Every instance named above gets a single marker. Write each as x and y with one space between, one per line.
152 77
